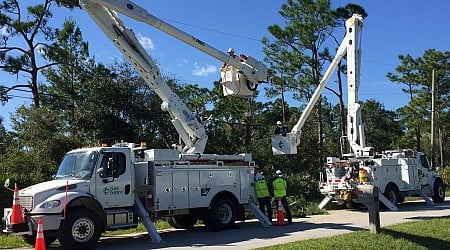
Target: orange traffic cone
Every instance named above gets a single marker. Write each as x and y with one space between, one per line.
280 214
17 221
40 241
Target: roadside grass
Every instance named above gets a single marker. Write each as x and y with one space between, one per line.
10 241
425 234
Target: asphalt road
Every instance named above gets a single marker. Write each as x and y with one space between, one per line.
251 235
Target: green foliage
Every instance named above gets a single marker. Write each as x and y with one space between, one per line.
35 32
383 131
417 74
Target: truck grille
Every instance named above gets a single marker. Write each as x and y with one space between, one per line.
26 202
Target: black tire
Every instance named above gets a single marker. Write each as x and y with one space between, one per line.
221 215
31 239
182 221
438 191
391 192
80 229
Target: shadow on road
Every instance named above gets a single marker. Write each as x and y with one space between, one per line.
200 236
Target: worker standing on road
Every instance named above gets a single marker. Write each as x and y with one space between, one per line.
262 194
279 185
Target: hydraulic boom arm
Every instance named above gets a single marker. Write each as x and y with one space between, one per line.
191 131
287 144
188 127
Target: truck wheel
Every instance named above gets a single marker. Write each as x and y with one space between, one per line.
186 221
438 191
31 239
392 194
80 229
221 215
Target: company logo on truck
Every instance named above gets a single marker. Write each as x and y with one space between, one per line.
112 191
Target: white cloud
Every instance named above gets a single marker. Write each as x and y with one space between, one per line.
146 42
203 71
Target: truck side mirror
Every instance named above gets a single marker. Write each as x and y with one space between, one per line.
101 172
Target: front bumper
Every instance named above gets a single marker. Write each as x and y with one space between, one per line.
49 222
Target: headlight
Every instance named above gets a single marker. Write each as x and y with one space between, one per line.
50 204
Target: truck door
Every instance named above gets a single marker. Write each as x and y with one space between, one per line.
113 180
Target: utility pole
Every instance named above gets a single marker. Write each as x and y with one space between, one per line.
432 118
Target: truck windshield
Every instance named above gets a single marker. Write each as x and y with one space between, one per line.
77 165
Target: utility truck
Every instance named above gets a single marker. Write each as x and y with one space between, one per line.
111 187
396 173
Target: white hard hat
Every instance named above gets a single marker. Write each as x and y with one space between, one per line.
279 173
259 176
278 122
230 50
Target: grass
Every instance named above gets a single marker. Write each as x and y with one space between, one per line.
9 241
426 234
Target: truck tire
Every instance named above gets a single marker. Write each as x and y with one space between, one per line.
391 192
31 239
79 230
438 191
221 215
186 221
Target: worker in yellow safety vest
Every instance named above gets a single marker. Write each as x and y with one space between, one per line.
262 194
279 185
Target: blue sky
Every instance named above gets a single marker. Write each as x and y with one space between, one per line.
393 27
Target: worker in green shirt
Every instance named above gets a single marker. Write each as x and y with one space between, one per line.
279 185
262 194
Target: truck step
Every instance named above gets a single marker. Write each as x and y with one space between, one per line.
261 217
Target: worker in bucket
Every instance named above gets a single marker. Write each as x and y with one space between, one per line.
280 129
241 58
279 185
262 194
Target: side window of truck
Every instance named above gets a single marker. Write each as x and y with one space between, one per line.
119 160
114 163
424 161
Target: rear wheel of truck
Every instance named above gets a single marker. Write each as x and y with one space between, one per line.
391 192
438 191
80 229
221 215
186 221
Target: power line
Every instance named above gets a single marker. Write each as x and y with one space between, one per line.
213 30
